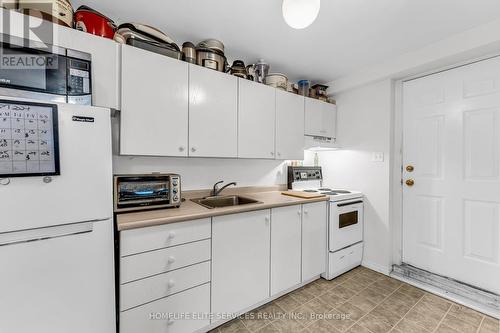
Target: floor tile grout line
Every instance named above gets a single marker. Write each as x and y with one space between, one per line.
414 305
480 324
442 319
328 289
366 314
345 300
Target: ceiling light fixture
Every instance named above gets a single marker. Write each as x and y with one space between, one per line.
300 14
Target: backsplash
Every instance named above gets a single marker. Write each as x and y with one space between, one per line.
202 173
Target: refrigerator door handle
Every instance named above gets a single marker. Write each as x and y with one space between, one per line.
41 234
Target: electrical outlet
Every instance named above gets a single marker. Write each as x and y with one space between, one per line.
377 157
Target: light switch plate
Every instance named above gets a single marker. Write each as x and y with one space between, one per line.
378 157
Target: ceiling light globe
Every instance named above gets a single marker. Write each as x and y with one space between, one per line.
300 14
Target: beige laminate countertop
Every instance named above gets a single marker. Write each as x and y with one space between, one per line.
191 211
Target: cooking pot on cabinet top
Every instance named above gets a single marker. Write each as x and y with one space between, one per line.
93 22
210 58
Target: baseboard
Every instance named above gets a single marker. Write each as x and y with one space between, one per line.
377 267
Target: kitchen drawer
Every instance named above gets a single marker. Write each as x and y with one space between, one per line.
146 290
346 259
152 238
163 315
146 264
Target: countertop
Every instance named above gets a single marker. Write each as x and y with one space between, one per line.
191 211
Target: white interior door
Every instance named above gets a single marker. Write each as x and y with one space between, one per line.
451 138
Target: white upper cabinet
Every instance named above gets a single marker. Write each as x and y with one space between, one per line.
314 236
285 248
320 118
256 120
289 126
154 115
213 113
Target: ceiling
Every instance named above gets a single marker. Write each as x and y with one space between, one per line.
347 36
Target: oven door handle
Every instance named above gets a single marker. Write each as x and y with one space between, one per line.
349 203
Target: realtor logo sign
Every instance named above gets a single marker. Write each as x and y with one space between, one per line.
29 31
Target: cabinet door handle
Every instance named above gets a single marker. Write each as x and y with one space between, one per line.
279 154
171 234
306 212
181 149
171 283
266 219
171 260
272 153
193 149
170 321
298 212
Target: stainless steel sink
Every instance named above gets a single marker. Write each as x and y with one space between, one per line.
224 201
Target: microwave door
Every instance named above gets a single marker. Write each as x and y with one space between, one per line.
32 73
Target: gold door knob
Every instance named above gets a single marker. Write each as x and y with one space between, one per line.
410 168
410 182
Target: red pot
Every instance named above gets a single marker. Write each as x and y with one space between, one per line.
93 22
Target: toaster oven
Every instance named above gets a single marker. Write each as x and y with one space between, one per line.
139 192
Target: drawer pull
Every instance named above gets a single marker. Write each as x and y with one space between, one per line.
171 260
171 235
306 212
298 213
171 283
170 322
342 257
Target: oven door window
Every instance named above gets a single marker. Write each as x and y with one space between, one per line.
348 219
32 70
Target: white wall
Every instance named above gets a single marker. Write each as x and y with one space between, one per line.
364 126
202 173
470 44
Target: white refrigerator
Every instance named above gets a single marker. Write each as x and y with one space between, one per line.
56 229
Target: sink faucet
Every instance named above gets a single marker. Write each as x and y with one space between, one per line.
216 190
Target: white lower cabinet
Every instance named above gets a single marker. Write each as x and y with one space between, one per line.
314 236
149 289
180 278
165 315
285 248
240 261
165 278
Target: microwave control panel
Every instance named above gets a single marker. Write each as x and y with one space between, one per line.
79 77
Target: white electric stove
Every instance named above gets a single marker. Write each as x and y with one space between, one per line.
345 219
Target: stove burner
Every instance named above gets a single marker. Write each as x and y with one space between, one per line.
329 193
310 191
325 189
341 191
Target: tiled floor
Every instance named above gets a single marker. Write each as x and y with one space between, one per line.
362 301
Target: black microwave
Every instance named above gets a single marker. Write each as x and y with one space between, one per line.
33 70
